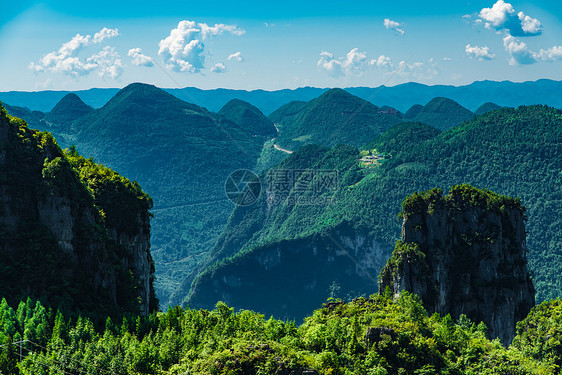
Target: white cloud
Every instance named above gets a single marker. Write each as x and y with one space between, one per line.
108 63
520 54
66 61
138 58
551 54
382 62
184 50
418 70
480 53
530 26
354 62
502 16
218 29
518 51
105 33
394 26
236 56
218 68
447 59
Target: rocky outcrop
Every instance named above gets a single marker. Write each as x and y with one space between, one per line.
464 253
73 233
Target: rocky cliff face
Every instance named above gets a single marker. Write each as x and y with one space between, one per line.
61 232
291 278
464 253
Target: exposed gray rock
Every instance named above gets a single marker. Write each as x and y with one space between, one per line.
50 212
465 253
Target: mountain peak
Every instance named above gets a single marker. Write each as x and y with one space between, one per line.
443 113
141 89
248 117
440 104
71 101
67 110
486 107
337 93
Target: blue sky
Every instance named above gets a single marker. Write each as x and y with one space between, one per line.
69 45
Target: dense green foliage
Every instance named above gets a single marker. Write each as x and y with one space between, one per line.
334 117
459 197
366 336
403 136
443 114
514 152
39 182
539 336
248 118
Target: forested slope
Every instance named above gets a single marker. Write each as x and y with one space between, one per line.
515 152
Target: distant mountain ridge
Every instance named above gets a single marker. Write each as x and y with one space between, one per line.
401 97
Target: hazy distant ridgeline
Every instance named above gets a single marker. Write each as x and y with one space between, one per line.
401 97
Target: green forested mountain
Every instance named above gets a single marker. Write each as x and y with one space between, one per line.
378 335
515 152
413 111
334 117
73 233
67 110
248 117
486 107
182 155
443 113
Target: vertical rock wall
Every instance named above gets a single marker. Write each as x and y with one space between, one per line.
465 253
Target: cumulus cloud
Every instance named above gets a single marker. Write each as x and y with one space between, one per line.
518 51
108 63
480 53
105 33
218 68
354 62
236 57
184 49
382 62
520 54
139 58
66 59
551 54
502 17
394 26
